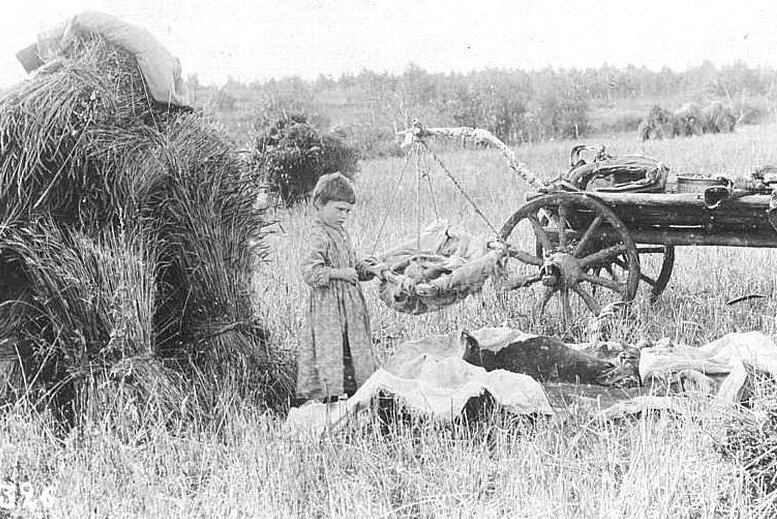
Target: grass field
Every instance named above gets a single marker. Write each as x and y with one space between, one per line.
246 466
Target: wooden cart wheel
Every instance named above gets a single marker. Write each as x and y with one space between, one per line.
655 277
584 258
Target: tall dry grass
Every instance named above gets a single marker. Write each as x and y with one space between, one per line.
573 466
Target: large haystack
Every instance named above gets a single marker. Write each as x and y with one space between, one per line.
659 124
689 120
718 118
125 246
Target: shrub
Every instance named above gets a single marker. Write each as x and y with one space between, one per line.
294 154
225 101
564 114
499 106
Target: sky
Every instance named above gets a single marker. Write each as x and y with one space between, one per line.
263 39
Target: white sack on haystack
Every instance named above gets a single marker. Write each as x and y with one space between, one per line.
161 70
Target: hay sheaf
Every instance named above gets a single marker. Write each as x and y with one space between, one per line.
689 120
659 124
81 316
58 130
85 161
718 118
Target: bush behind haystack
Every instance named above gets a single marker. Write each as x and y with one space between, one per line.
294 154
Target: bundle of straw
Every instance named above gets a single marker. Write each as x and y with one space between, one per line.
57 133
202 214
689 120
718 118
83 320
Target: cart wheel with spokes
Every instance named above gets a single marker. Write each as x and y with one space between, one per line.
575 252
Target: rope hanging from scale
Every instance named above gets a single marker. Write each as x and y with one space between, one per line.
418 201
431 190
392 197
456 183
422 170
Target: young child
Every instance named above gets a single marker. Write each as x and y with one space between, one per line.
335 356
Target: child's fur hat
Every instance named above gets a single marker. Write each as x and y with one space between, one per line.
334 187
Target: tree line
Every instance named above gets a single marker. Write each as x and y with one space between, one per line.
516 105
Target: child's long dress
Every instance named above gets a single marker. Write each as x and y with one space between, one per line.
337 318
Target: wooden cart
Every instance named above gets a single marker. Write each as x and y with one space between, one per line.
587 251
597 247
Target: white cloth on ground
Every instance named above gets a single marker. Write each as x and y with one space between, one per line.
730 357
429 378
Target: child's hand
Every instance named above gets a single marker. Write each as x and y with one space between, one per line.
345 274
379 269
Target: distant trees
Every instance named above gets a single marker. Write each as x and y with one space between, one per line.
517 106
492 101
565 112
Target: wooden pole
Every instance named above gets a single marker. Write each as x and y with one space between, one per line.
479 136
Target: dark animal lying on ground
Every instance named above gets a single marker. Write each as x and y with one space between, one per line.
547 359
